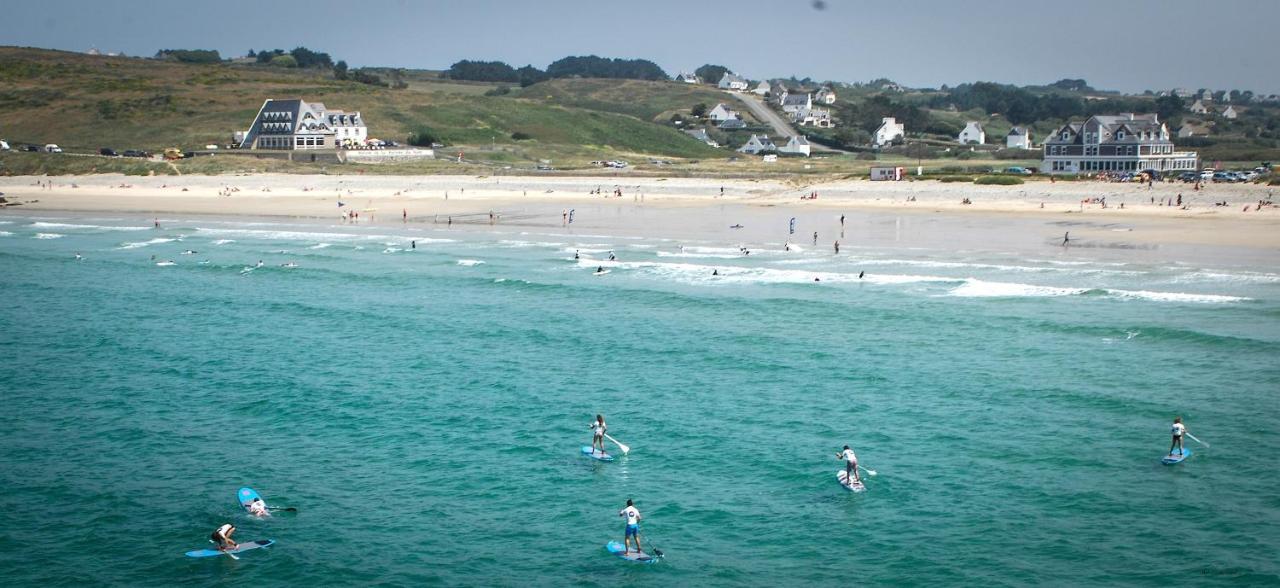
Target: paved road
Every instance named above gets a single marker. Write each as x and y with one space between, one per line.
762 112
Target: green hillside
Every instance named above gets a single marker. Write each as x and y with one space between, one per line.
84 102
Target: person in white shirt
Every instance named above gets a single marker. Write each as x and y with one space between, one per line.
633 527
1179 430
258 508
222 537
850 464
598 429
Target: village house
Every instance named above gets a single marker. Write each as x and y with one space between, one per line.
889 130
826 96
1190 130
813 117
1198 107
721 113
796 145
1206 95
761 89
701 135
297 124
793 103
731 81
688 78
778 93
972 133
758 144
1124 142
1230 113
1018 138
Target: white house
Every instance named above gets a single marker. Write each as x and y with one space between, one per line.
1207 95
778 93
889 130
1230 113
762 89
793 103
1198 108
972 133
701 135
1018 138
826 96
758 144
796 145
1190 130
688 78
731 81
722 113
297 124
815 117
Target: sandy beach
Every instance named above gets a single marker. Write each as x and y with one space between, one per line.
924 213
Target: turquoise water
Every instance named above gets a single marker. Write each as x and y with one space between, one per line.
424 408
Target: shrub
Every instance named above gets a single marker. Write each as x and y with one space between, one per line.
520 136
998 181
499 91
950 179
284 61
423 137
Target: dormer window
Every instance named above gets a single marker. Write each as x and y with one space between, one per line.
1119 135
1065 135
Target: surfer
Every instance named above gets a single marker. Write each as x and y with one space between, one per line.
633 527
1179 430
850 464
612 257
598 428
258 508
600 270
222 537
576 255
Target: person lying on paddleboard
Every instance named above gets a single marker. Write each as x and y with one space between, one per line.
258 508
633 527
598 429
222 537
850 464
1179 430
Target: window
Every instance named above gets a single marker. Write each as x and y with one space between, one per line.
1119 135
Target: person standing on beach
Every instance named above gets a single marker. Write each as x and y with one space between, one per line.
571 211
842 222
598 428
633 517
404 215
837 246
1178 431
815 237
1066 238
564 218
850 464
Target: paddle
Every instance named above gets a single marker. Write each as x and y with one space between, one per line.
652 548
233 556
625 449
283 508
867 469
1193 438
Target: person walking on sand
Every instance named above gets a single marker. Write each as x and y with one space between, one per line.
1178 431
632 514
598 428
815 238
1066 238
850 464
222 537
837 246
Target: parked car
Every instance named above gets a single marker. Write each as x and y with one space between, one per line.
4 146
1206 174
1221 176
108 152
31 148
52 148
1189 176
1022 171
136 153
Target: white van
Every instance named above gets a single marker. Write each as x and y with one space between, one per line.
4 146
52 148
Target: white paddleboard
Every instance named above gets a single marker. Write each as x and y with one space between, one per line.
853 486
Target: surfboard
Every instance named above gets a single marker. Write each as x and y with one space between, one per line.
1174 458
246 496
240 548
601 273
637 556
588 451
855 486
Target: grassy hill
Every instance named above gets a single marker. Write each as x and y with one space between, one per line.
84 102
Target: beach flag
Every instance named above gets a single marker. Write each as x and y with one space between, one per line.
793 225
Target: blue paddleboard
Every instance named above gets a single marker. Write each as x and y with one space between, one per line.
1174 458
588 451
637 556
246 496
242 547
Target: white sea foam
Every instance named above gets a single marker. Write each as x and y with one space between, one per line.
5 234
277 235
470 262
224 241
319 246
139 244
1177 296
974 288
49 236
691 273
44 225
1206 276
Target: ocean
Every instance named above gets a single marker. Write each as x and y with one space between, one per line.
421 396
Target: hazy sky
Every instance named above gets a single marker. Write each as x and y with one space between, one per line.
1127 45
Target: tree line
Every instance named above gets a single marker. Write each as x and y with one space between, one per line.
589 66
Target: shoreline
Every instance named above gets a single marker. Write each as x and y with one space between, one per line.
685 208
